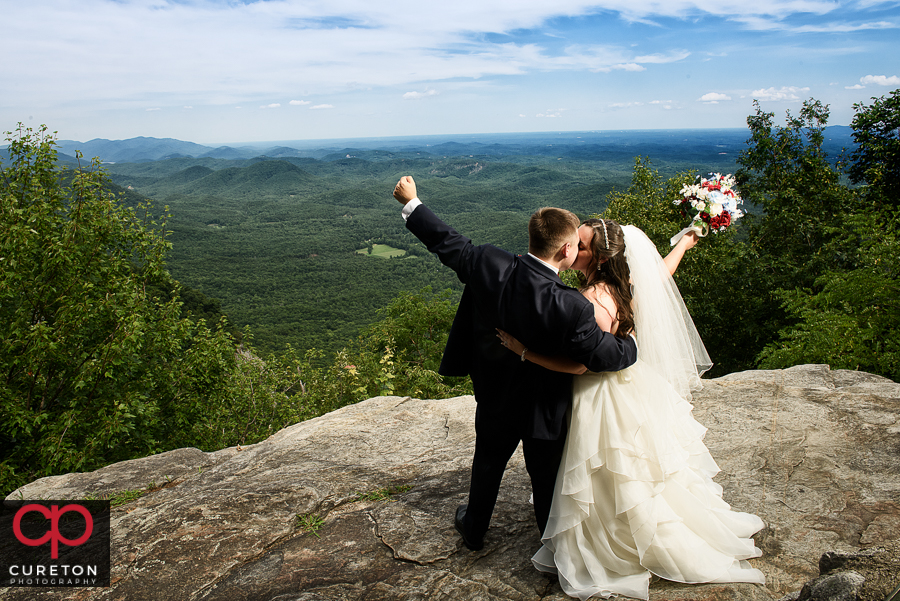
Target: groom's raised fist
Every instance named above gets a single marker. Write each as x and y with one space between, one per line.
405 190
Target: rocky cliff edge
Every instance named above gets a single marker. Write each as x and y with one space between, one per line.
358 504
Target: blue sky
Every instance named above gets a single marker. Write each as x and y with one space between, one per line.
227 72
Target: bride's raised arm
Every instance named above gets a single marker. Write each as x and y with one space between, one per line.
687 242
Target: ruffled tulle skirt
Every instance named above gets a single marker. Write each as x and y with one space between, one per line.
635 496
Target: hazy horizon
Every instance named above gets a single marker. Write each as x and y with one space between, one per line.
491 136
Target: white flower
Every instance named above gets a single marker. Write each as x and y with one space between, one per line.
688 191
715 209
731 204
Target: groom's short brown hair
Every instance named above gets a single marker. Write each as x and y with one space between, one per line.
548 229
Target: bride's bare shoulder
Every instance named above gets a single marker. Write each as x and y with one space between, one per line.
594 292
605 310
598 293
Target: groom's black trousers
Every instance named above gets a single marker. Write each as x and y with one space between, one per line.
496 437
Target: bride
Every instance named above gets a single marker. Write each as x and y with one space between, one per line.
634 494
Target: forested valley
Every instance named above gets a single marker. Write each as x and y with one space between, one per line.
209 302
283 242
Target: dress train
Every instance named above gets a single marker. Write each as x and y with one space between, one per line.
635 496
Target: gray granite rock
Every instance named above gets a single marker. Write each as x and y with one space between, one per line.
842 586
879 567
810 450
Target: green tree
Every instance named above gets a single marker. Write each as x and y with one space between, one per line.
94 366
786 173
398 355
849 317
852 319
876 159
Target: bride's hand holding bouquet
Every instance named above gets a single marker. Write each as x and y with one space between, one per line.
712 205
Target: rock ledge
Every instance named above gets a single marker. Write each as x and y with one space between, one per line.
814 452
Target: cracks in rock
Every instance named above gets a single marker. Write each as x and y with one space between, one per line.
829 380
203 591
795 510
403 401
318 510
792 467
396 554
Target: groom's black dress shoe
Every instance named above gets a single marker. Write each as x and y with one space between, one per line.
458 522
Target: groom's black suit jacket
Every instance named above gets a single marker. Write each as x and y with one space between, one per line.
523 297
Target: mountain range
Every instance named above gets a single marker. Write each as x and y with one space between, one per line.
142 149
572 145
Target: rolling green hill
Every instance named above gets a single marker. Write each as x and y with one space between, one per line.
276 239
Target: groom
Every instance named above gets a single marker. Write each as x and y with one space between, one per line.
517 400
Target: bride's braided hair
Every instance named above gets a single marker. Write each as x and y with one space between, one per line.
608 241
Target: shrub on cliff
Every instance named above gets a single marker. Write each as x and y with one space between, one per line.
96 365
397 355
812 273
841 300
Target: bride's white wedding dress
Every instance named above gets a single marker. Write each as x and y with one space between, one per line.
634 493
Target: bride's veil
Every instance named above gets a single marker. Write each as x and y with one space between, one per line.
667 338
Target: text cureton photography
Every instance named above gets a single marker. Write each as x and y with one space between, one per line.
54 543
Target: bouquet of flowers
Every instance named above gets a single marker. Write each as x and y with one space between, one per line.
712 205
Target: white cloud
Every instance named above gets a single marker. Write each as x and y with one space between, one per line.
603 59
660 59
551 113
833 27
330 43
321 106
419 95
839 27
880 80
188 107
274 105
713 98
154 109
784 93
625 67
856 87
207 53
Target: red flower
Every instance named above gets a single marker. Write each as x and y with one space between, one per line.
721 221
